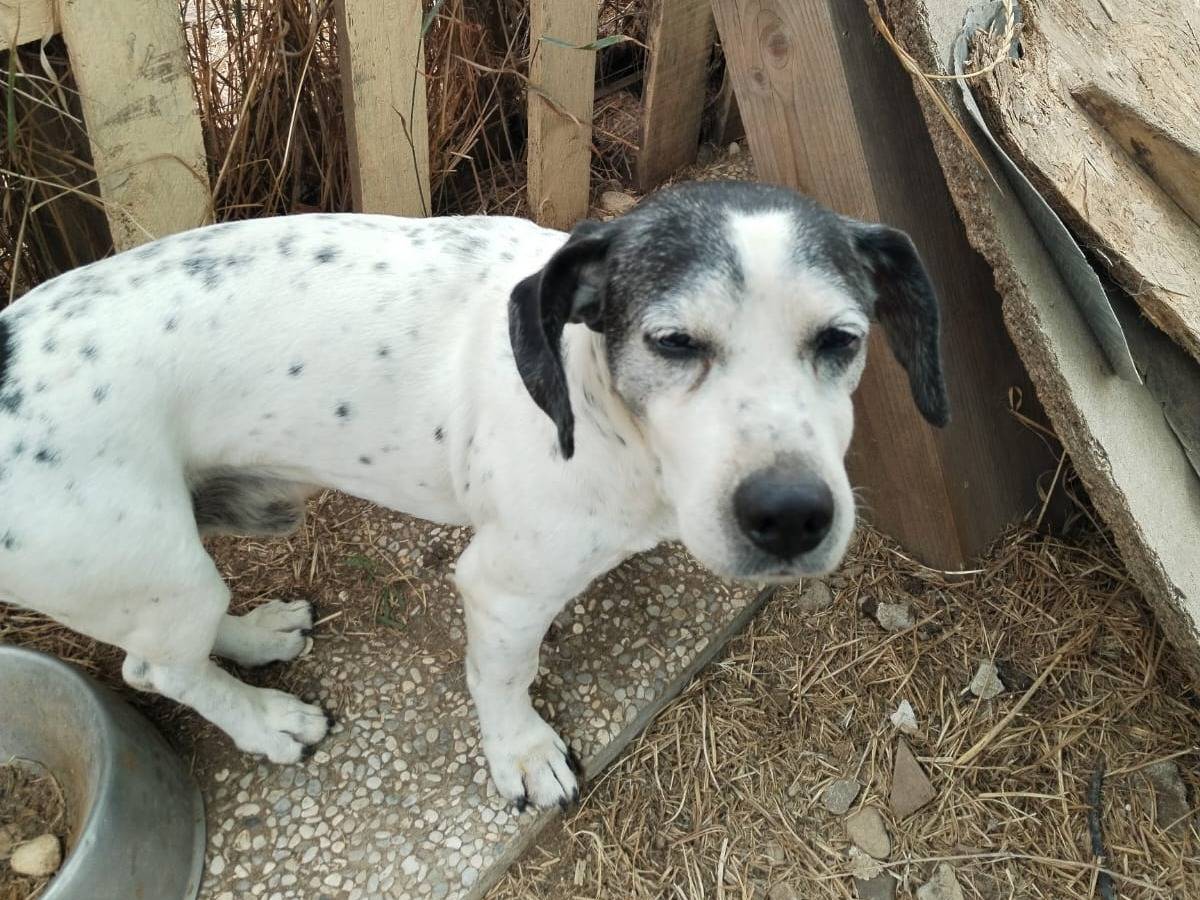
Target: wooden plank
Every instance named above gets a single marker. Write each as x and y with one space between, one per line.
1148 56
561 95
22 21
1168 156
135 89
829 111
383 86
680 39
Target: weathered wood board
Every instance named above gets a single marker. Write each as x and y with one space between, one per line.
135 88
1147 57
383 90
828 110
22 21
681 36
561 97
1134 468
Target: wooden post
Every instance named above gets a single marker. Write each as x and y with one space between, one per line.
561 92
383 89
829 111
130 64
680 38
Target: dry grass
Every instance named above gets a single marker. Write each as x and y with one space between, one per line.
720 798
31 804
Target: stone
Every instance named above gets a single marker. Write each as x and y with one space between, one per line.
911 789
986 684
735 149
942 886
1170 796
904 719
783 891
617 203
37 858
773 851
881 887
893 616
815 596
839 794
867 831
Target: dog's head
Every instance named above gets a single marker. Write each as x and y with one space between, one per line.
735 322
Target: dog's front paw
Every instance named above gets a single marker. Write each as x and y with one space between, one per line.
533 765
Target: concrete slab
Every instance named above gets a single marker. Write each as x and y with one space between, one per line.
396 801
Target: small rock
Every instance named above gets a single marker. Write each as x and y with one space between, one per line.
616 202
986 684
904 718
735 149
862 866
38 857
866 831
881 887
840 794
783 892
774 852
1170 795
815 596
942 886
893 616
910 788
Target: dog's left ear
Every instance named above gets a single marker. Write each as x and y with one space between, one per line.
569 288
907 308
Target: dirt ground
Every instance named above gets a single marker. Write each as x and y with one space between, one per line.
31 804
722 795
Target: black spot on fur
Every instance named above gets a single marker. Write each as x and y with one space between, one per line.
47 456
286 245
9 541
384 351
326 254
232 501
205 268
438 434
365 460
342 411
381 266
10 395
295 369
506 256
414 333
49 345
171 324
100 393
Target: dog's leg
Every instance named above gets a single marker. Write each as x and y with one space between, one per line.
273 632
507 615
168 641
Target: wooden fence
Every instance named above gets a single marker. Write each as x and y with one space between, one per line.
130 64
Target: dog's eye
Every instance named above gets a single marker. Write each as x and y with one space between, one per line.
836 340
675 344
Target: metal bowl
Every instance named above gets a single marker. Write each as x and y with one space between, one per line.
136 817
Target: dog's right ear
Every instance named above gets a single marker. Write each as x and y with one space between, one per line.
569 288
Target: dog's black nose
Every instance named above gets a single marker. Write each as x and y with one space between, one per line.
784 511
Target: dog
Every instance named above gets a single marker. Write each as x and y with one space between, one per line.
682 372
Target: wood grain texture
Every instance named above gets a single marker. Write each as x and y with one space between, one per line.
1167 155
680 39
135 89
561 96
383 90
1146 54
828 111
22 21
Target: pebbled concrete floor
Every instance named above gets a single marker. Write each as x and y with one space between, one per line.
396 802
